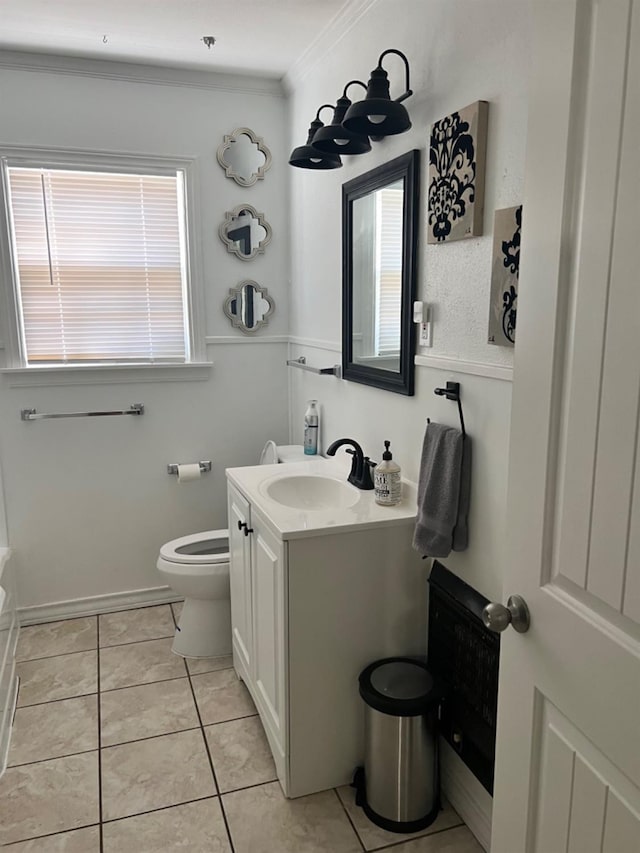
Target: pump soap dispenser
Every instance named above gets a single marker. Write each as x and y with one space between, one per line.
387 480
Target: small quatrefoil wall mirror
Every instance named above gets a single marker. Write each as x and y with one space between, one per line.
244 157
248 306
245 232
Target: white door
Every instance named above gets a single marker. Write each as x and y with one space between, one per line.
568 752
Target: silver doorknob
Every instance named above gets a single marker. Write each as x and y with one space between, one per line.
497 617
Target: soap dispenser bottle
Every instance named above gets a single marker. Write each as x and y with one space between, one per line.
311 427
387 481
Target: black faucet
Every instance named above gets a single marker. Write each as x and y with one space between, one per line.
360 475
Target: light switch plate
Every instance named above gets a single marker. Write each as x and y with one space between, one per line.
426 326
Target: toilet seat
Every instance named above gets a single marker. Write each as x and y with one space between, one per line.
211 547
269 455
196 567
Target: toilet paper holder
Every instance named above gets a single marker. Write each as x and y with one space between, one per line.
204 467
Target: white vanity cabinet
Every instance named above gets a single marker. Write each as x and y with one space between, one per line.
268 569
313 601
239 515
257 616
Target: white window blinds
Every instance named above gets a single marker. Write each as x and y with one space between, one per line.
389 215
100 264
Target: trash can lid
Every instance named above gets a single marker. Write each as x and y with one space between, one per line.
401 687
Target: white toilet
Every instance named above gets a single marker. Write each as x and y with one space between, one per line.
197 567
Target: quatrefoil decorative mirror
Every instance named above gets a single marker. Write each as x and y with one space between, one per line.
248 306
244 157
245 232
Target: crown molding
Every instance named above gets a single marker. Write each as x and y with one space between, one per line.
131 72
337 29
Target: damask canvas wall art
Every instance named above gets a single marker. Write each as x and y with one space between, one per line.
505 270
457 153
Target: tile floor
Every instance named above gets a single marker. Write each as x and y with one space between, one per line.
119 745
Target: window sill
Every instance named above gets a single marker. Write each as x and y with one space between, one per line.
105 374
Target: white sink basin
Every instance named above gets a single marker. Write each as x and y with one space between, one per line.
310 492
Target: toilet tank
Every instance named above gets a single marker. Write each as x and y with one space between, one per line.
293 453
273 453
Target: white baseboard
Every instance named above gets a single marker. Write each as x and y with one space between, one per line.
465 793
96 604
9 717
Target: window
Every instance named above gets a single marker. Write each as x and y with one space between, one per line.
389 213
100 264
377 234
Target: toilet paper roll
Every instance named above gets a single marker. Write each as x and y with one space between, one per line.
189 472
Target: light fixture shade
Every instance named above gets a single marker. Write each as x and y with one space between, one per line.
390 117
308 157
377 115
337 139
394 118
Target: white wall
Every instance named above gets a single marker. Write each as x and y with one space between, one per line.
4 535
89 501
459 52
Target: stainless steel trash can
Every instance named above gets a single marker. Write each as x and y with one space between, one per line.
398 788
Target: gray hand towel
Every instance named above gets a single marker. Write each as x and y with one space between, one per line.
438 490
461 530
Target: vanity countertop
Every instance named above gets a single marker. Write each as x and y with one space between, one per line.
295 523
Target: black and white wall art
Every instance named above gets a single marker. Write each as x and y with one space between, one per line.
505 269
457 152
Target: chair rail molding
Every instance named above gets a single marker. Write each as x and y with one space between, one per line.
216 340
315 343
459 365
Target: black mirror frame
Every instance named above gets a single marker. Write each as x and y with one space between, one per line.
405 168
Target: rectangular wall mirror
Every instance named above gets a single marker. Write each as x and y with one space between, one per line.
379 241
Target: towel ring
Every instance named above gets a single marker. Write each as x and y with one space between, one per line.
452 392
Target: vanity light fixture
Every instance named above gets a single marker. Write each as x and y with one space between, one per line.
377 115
335 138
309 157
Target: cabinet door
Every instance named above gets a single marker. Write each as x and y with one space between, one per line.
240 577
269 625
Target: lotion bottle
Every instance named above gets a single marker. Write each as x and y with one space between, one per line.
387 480
311 426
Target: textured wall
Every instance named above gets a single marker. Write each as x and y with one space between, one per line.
459 52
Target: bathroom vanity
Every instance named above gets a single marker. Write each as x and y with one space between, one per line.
323 582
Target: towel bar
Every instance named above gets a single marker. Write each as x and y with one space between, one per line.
32 415
301 362
452 392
